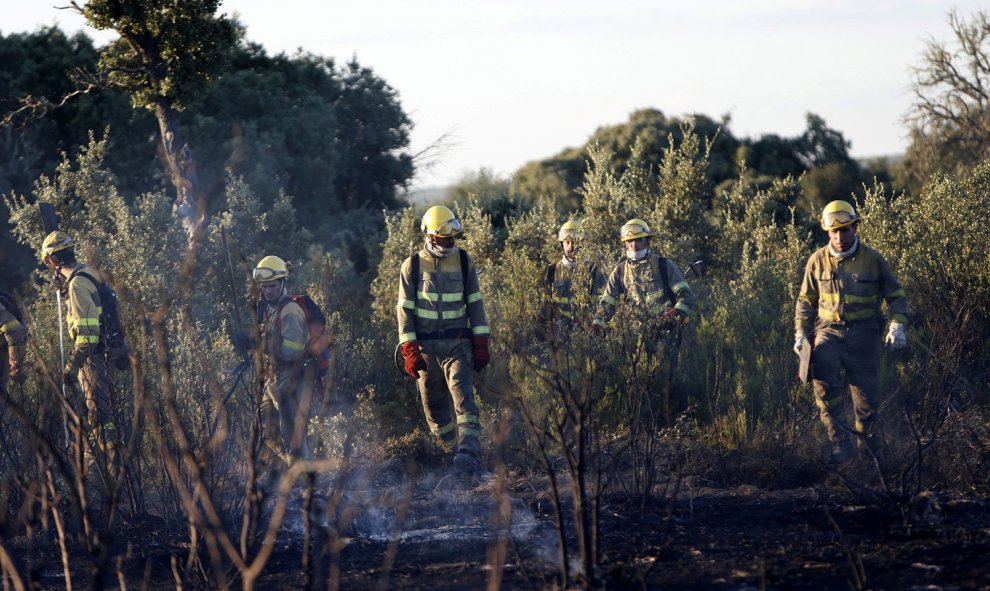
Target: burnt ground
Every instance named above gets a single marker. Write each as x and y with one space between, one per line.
438 535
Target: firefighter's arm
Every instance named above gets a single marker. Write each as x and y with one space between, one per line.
686 300
405 309
84 321
294 334
894 294
610 298
14 333
474 302
806 305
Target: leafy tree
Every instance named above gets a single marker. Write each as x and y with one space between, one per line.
950 119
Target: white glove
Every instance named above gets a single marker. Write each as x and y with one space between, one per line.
896 338
799 340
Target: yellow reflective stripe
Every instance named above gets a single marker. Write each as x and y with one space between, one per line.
293 345
409 304
430 297
471 432
811 298
13 324
679 286
832 298
900 318
429 314
452 297
472 419
445 429
855 299
480 330
609 300
899 293
474 297
87 339
561 300
406 337
456 313
861 314
683 308
828 315
87 322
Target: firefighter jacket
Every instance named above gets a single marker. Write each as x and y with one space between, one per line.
653 283
83 317
444 302
286 332
848 290
560 297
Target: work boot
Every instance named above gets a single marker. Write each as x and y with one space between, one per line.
467 464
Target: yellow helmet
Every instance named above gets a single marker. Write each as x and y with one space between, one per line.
572 230
439 221
838 214
633 229
54 242
270 268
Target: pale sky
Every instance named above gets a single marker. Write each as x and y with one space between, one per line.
520 80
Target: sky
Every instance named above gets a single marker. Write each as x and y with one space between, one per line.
511 81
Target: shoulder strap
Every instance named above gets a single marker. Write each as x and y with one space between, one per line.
414 270
662 271
551 275
464 268
80 273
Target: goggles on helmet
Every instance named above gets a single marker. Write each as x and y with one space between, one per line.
837 219
632 231
265 274
447 229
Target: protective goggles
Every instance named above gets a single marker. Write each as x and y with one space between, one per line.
573 235
447 229
837 219
266 274
633 231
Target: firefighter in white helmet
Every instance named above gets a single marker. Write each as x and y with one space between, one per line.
443 334
560 302
838 313
284 337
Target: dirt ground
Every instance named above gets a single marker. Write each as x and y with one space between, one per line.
440 533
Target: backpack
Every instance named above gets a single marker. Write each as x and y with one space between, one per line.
319 336
111 329
8 301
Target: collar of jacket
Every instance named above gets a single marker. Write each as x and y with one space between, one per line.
844 255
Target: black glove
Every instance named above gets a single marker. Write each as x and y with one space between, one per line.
243 342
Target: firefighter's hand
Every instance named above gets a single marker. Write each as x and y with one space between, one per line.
799 342
479 345
896 338
414 358
672 318
69 373
243 342
17 373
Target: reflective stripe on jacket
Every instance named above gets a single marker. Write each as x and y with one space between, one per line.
84 310
14 333
643 283
848 289
438 301
561 292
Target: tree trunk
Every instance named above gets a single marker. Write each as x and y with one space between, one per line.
189 205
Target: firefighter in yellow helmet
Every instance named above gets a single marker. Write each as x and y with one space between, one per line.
290 372
443 334
838 313
14 341
86 361
560 301
648 280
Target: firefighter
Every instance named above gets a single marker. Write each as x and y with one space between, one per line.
13 345
559 302
86 361
289 370
443 334
838 313
650 281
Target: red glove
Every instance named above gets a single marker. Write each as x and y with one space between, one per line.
414 358
672 318
481 355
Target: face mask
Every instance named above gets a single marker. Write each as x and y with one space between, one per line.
639 254
439 251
